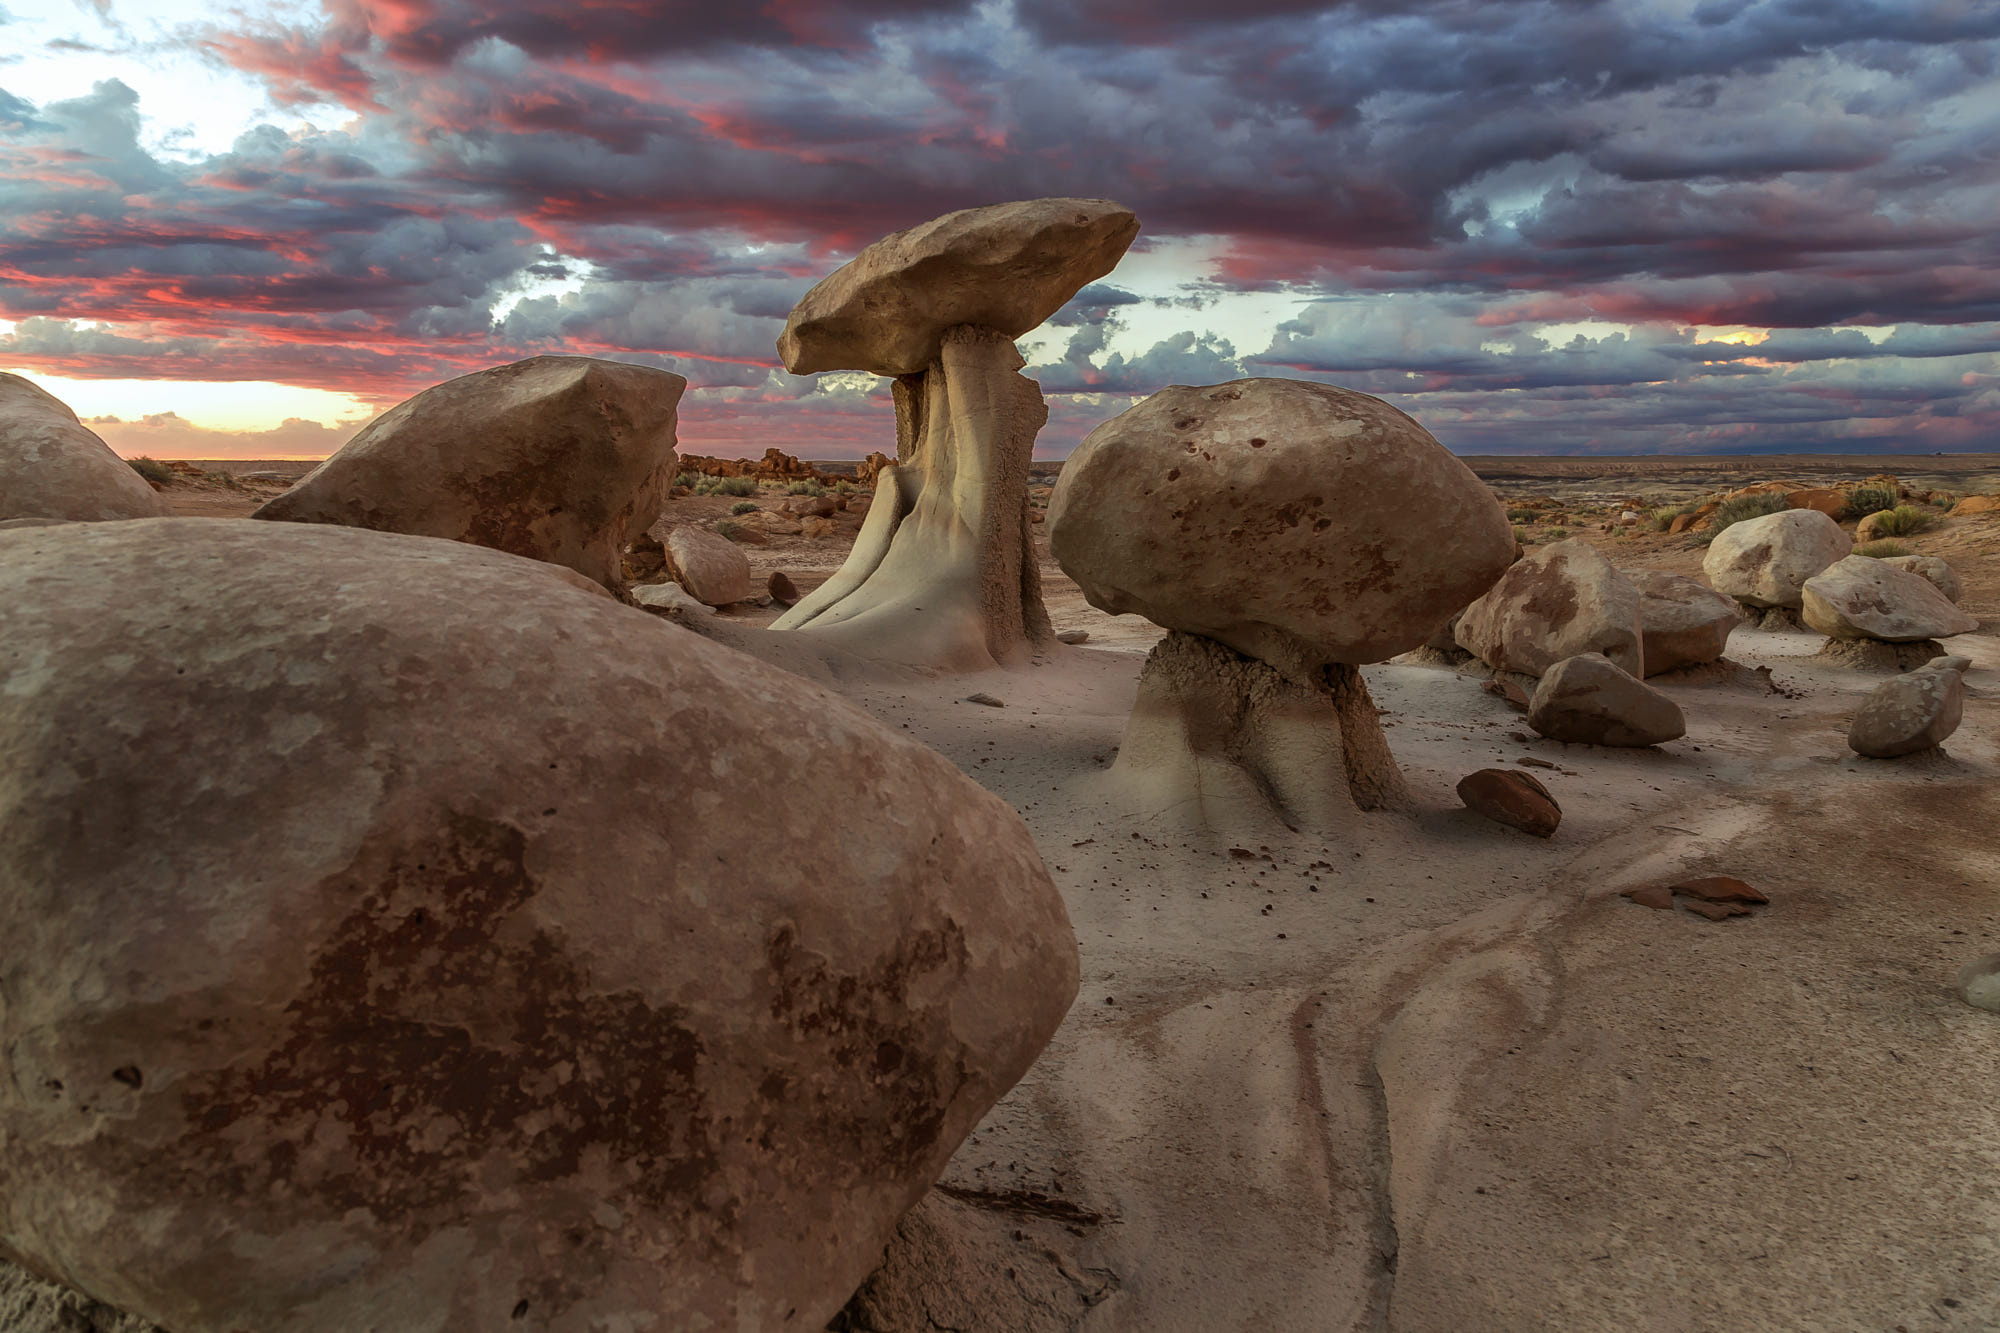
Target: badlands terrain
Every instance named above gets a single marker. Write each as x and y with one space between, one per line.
1439 1074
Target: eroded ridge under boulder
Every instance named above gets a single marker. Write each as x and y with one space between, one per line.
1765 561
1563 600
558 458
1235 742
52 466
943 574
376 931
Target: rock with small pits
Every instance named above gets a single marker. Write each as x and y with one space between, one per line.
1978 983
1915 711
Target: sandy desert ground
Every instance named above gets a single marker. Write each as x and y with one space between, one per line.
1436 1074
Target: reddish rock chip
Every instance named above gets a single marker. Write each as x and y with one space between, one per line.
1717 911
783 591
1511 797
1720 889
1657 896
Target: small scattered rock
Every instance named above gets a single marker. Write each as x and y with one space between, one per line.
745 534
1532 762
1657 896
1720 889
1513 695
708 566
818 527
986 699
1915 711
1588 699
1979 983
644 557
669 597
1717 911
783 591
1510 797
1073 636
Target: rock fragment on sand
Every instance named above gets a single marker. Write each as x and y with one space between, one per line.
1073 637
1720 889
708 566
558 458
1937 571
1509 796
781 588
1005 267
1656 896
1912 712
1508 693
52 466
1588 699
985 699
1766 561
1715 911
669 597
1562 600
1682 622
1978 983
1864 598
416 972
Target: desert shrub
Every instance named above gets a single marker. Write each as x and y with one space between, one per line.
1881 550
726 486
812 488
1745 506
1663 519
688 479
1557 534
152 470
1865 500
743 507
1520 534
728 529
1904 521
1518 515
843 488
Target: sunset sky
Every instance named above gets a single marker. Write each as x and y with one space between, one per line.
1539 226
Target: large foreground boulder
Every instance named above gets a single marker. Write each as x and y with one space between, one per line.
384 952
1004 267
1563 600
1863 598
557 458
1287 519
1589 699
1766 561
1915 711
53 466
1681 622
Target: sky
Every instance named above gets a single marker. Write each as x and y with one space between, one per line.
1537 226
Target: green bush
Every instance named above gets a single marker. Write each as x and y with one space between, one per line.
1663 519
1520 534
843 488
812 488
688 479
1557 534
728 529
743 507
152 470
1745 506
1881 550
726 486
1903 520
1865 500
1523 515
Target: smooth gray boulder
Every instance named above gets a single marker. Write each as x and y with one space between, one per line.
1911 712
1589 699
1681 622
565 459
1562 600
52 466
386 952
1766 561
1864 598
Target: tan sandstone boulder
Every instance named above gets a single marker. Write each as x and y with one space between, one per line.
1562 600
1589 699
558 458
52 466
1915 711
1681 622
1005 267
708 566
1863 598
1766 561
1942 575
1973 505
1289 520
385 953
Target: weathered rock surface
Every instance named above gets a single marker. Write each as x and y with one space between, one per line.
669 597
52 466
781 588
384 957
1295 522
1766 561
1864 598
1973 505
559 458
1937 571
1563 600
1911 712
1511 797
1828 501
1589 699
1682 623
708 566
1978 983
1005 267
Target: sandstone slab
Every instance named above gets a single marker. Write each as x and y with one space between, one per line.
52 466
385 955
1589 699
708 566
1863 598
1005 267
1912 712
1681 622
1511 797
559 458
1563 600
1295 522
1766 561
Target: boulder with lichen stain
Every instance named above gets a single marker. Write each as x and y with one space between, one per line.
385 955
1562 600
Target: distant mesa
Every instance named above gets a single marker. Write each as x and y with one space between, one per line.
53 466
564 459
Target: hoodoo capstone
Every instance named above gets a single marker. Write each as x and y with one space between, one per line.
558 458
384 954
943 572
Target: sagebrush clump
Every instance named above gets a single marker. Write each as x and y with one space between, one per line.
726 486
811 488
1904 520
742 507
1865 500
1743 506
152 470
1882 550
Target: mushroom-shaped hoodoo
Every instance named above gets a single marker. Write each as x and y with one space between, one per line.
1286 532
943 574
